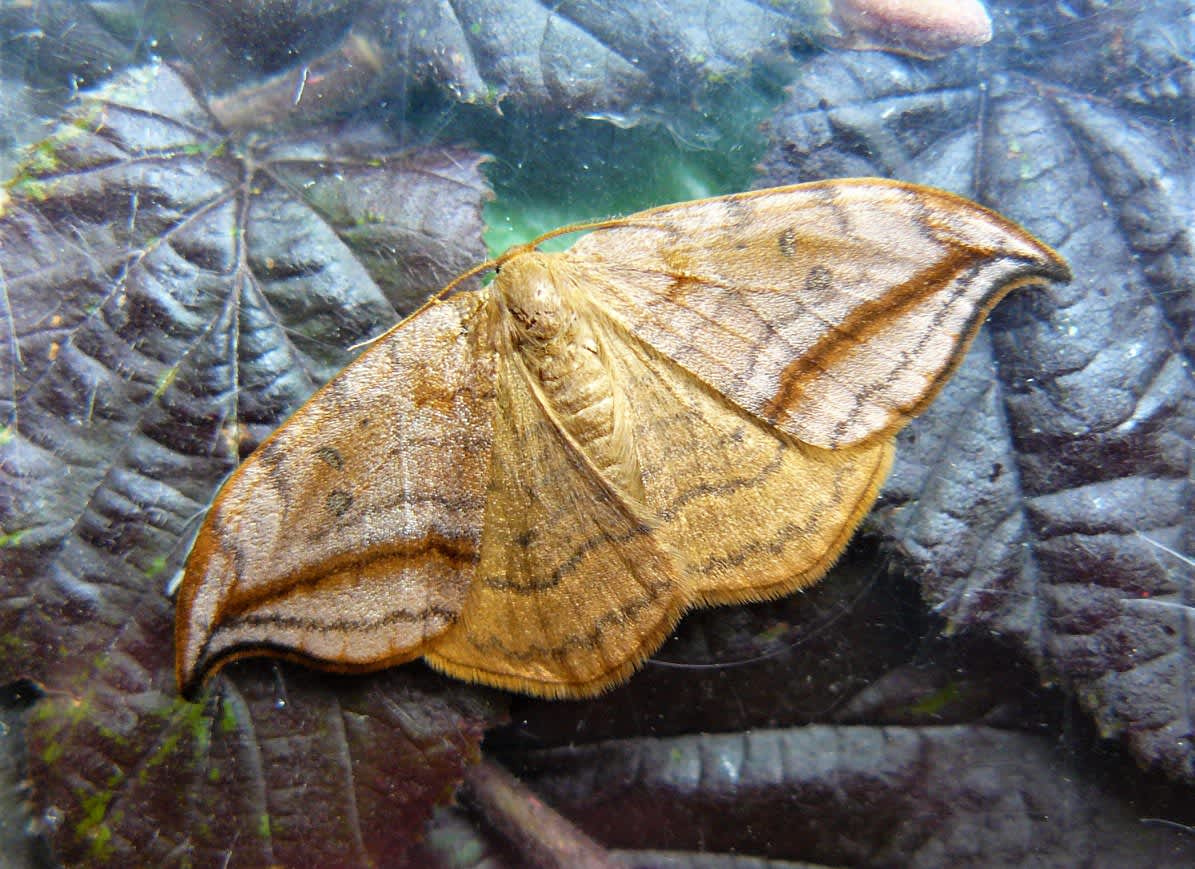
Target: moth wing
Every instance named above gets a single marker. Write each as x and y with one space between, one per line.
757 513
833 310
350 537
573 589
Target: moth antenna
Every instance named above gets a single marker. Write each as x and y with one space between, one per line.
608 223
434 299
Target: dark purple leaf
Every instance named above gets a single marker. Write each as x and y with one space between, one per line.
275 768
625 60
857 796
1042 493
59 43
171 293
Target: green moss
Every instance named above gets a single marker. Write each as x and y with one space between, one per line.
228 718
87 118
42 159
10 647
165 748
263 825
13 538
182 718
29 188
156 566
95 806
84 122
93 826
43 712
936 702
201 731
101 845
78 711
205 148
51 752
165 380
370 218
112 736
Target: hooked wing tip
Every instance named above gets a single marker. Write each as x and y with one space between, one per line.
1047 266
1057 269
208 580
189 670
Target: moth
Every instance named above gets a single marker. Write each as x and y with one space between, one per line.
529 484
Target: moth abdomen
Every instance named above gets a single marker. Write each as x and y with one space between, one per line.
582 393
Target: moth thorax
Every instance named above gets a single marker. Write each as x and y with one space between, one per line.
537 312
551 327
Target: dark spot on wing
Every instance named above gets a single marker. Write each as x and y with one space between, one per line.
739 212
818 280
339 502
331 457
788 243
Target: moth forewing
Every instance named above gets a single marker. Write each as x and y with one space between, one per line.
349 538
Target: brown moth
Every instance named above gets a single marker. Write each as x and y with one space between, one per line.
528 485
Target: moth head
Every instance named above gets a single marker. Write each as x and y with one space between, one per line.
529 288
